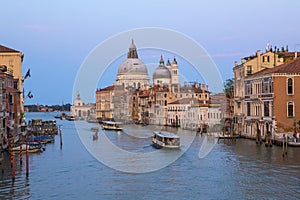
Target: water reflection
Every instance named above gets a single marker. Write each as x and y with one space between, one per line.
237 170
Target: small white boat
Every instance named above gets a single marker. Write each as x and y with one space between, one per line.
165 139
116 126
294 144
71 118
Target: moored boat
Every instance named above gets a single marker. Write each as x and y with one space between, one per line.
116 126
71 118
294 144
32 148
165 140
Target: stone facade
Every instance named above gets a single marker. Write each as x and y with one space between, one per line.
243 81
272 97
82 111
13 59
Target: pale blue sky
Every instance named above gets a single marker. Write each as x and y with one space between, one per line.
56 36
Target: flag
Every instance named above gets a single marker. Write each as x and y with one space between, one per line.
27 74
30 95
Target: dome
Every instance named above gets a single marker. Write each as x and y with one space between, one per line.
161 72
133 66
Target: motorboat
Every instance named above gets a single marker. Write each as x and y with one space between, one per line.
294 144
163 139
109 125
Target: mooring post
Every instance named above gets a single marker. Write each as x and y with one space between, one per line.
60 137
283 145
286 143
12 158
27 161
21 145
2 162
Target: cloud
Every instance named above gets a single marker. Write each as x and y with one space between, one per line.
38 28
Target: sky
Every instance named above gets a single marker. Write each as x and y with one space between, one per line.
57 36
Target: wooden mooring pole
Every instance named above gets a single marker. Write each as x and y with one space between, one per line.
60 137
284 145
21 146
12 158
27 161
2 161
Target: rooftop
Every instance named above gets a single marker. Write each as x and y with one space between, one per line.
292 67
6 49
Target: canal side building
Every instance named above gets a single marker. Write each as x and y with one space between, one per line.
10 107
82 111
167 103
272 97
249 66
13 59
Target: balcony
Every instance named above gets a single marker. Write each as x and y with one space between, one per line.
254 96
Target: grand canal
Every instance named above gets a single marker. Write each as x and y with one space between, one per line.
232 170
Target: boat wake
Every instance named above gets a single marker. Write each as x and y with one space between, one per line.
206 146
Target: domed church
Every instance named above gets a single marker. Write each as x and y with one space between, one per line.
162 75
132 71
166 75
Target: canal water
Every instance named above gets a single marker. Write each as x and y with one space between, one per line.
232 170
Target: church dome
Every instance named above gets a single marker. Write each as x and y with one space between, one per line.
133 66
161 72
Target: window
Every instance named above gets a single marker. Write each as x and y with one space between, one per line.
290 86
249 70
270 86
266 109
248 108
290 109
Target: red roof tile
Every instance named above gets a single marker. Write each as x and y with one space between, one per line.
289 68
6 49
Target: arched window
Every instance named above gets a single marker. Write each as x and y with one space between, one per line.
290 109
290 86
139 84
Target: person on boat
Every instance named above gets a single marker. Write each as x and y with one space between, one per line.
296 136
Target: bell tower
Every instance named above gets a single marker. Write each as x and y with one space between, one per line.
174 72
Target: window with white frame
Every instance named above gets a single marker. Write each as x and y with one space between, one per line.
290 86
290 109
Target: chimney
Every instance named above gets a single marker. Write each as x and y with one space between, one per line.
258 59
235 63
258 53
202 87
206 87
295 55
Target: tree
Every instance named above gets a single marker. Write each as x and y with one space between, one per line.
228 88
